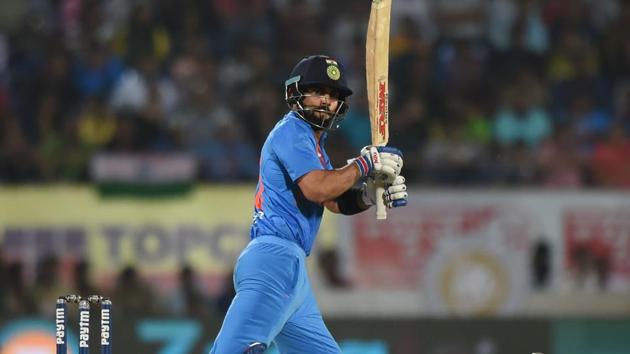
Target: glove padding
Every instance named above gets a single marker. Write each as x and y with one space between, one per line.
395 194
384 161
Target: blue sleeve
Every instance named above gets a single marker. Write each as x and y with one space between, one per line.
297 152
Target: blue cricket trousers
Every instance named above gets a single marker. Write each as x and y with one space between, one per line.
274 302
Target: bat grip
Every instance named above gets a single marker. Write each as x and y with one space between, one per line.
381 209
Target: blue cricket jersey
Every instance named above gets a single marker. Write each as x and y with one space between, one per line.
290 151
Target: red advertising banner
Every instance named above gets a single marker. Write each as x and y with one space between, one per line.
484 252
465 256
395 252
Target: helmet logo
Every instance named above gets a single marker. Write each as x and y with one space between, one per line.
333 72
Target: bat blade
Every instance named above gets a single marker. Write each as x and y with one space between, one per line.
377 79
377 69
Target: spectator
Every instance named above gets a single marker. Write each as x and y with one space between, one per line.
82 282
18 161
48 284
610 160
96 70
449 158
188 299
590 123
51 81
259 122
133 92
591 264
622 107
558 162
97 124
19 299
460 19
142 36
133 296
231 151
148 97
585 79
410 133
522 119
329 263
615 44
224 299
541 265
582 265
517 24
518 35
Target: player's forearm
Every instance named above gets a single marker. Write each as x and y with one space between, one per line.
322 186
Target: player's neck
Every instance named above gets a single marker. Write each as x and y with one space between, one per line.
318 133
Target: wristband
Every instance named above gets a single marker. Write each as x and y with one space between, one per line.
364 165
351 201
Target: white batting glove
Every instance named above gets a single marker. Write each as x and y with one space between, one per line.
383 161
395 194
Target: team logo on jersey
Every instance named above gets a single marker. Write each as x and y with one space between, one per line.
333 72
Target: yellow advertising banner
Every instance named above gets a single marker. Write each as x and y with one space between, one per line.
206 228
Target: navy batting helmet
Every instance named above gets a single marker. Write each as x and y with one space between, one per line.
317 71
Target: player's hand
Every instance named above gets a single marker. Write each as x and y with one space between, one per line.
380 160
395 194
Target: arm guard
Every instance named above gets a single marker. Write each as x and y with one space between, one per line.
351 201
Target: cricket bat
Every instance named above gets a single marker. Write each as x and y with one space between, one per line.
377 75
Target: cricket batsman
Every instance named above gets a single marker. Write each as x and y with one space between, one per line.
274 300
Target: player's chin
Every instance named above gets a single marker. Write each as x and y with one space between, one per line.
323 115
319 118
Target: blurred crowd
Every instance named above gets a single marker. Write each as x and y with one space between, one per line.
22 294
484 92
27 289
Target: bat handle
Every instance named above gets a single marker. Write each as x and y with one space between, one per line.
381 209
